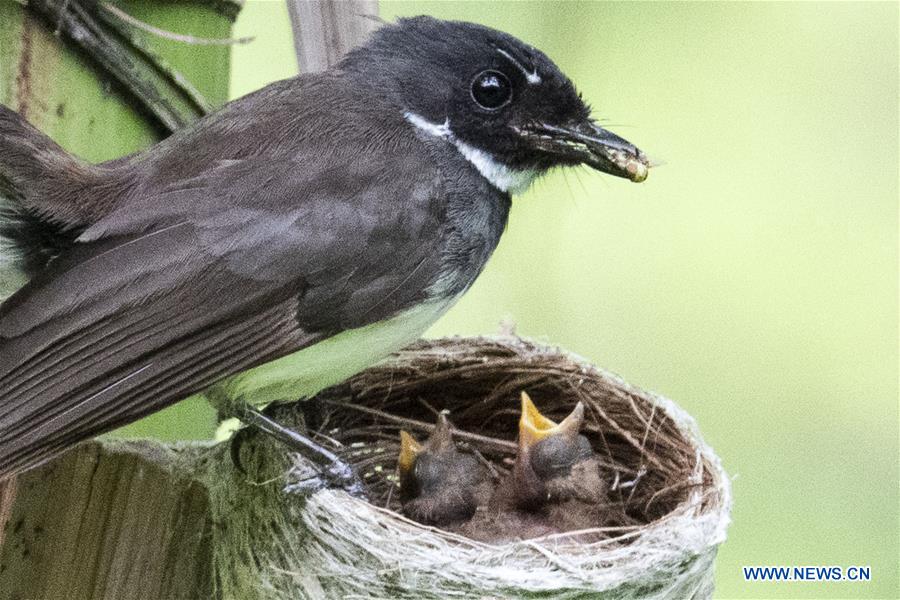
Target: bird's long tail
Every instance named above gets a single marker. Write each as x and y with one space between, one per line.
37 216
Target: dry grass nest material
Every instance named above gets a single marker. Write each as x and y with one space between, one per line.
669 497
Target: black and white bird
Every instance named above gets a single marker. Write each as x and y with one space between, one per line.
279 245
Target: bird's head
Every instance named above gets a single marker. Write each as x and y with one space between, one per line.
437 482
507 107
547 450
424 467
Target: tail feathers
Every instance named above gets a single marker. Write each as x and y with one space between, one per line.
40 188
29 160
27 244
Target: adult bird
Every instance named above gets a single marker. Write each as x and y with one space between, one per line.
279 245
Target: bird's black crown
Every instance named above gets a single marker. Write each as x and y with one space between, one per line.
488 90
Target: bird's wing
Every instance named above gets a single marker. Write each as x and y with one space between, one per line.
164 297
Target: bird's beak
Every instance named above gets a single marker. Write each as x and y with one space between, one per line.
441 439
588 143
534 427
409 452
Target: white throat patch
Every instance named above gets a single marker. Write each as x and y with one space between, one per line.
500 176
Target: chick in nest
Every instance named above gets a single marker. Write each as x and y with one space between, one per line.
438 484
555 485
555 464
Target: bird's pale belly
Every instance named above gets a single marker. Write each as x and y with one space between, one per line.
331 361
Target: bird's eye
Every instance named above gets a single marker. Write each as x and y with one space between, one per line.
491 90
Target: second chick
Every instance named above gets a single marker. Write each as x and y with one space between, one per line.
438 484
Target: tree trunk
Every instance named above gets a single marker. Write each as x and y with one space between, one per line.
115 519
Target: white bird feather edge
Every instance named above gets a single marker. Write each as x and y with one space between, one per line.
11 275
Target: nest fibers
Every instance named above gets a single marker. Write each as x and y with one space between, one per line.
669 500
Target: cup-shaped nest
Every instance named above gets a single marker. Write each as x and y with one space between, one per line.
666 511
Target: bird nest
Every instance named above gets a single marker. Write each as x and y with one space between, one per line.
668 496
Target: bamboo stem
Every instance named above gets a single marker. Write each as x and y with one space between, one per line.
324 30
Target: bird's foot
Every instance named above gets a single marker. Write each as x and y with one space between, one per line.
338 475
330 470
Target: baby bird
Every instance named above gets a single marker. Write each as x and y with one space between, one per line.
438 484
555 463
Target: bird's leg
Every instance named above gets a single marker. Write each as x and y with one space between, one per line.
332 471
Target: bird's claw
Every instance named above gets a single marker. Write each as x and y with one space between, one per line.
329 470
338 475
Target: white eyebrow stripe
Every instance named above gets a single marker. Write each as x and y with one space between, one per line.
531 76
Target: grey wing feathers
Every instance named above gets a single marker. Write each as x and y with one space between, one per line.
116 357
160 300
41 429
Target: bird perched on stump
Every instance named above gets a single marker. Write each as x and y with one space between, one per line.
438 484
554 463
279 245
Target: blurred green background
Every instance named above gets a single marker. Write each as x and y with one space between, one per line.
753 278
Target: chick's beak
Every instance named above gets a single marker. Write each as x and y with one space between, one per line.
588 143
441 439
439 442
534 427
409 452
